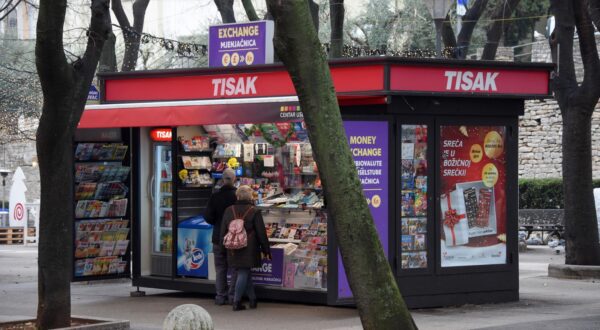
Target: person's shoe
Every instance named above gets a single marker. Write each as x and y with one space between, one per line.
220 301
237 306
253 304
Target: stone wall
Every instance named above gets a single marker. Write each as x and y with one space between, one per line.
540 129
540 141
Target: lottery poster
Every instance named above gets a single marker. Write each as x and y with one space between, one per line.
472 195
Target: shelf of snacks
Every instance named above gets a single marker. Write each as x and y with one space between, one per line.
195 179
196 162
413 242
197 143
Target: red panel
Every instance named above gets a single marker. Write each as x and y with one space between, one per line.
361 100
258 84
470 81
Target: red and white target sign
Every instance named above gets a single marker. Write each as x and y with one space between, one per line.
19 211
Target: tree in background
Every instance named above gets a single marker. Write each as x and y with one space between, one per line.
577 104
131 34
503 18
225 8
65 86
336 10
374 26
376 293
20 96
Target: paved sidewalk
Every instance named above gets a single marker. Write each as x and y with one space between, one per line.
546 303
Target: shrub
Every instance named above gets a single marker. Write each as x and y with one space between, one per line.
543 193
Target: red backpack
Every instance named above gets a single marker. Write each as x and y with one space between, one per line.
236 237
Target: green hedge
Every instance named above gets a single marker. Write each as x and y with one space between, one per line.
543 193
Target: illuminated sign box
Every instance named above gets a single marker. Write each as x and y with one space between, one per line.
240 44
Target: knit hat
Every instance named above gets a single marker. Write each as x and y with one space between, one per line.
228 176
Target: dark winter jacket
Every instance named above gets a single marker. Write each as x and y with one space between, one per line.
217 204
258 242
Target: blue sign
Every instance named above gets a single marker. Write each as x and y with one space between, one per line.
93 94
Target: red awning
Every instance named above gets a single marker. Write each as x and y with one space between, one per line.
203 112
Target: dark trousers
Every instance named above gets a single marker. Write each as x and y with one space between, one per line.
243 285
224 291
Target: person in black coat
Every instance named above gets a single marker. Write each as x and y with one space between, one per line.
217 204
250 256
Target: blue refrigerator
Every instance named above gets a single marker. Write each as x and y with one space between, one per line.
193 246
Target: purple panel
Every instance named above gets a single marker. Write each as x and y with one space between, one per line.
271 271
369 146
240 44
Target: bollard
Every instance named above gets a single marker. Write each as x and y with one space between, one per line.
188 317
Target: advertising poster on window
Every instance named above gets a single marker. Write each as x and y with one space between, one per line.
368 142
472 195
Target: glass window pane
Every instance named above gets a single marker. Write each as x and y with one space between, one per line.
413 242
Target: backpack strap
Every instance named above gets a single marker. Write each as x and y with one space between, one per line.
234 212
246 213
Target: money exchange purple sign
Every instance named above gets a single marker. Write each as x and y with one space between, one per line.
368 142
271 271
240 44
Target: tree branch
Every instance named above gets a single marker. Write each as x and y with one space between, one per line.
336 11
100 28
250 11
448 36
225 8
50 59
139 13
594 6
503 11
590 88
117 8
561 45
9 10
470 20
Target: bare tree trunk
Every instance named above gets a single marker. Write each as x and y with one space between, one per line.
594 7
108 59
132 35
460 45
577 106
65 87
469 22
225 8
376 293
501 13
250 11
336 11
314 13
448 35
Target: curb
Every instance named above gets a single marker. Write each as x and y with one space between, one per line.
573 271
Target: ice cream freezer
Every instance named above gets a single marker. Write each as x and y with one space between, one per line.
193 247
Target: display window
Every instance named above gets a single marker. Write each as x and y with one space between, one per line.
101 224
276 160
413 197
472 197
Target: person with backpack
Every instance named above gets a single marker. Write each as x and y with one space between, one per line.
244 236
218 202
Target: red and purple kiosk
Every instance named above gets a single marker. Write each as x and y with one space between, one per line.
434 142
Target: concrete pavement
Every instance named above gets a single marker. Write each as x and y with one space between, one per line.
546 303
